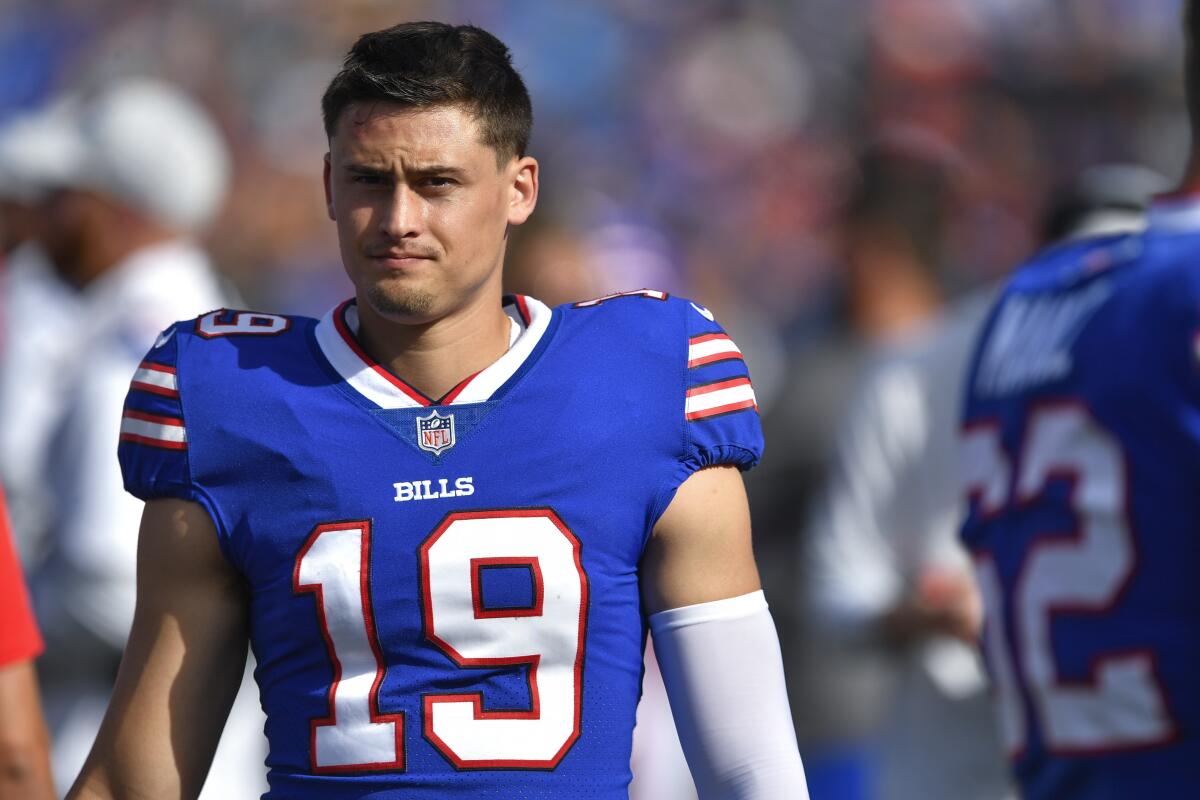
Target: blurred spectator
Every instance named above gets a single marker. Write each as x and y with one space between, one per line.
891 244
24 744
35 307
137 168
888 575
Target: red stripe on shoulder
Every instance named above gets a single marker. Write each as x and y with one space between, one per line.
157 367
717 411
152 389
160 443
155 418
708 337
714 358
717 386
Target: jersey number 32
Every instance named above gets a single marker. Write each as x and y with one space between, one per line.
1120 705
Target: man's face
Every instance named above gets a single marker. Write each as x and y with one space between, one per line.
422 208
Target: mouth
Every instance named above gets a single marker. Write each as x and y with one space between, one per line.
400 261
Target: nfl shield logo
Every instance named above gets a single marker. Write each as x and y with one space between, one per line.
435 433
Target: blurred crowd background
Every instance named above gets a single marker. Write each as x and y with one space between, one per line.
709 145
825 175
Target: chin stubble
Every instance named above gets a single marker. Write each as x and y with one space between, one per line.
399 302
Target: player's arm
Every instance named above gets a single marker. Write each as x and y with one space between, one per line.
24 744
717 645
182 665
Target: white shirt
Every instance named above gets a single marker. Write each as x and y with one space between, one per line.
38 317
890 511
94 526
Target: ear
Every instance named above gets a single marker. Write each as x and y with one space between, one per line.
524 189
325 177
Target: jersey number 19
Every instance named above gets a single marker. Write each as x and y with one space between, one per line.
545 638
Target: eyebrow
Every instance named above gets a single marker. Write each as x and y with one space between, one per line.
422 171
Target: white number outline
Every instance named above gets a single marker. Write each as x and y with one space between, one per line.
244 323
397 718
649 294
431 700
984 506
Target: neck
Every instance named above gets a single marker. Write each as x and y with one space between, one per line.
436 356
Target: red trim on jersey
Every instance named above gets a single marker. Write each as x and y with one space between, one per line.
1025 498
136 438
343 330
713 358
649 294
449 396
146 440
709 388
364 527
244 323
157 367
523 309
709 337
175 422
20 640
717 411
539 588
150 387
430 701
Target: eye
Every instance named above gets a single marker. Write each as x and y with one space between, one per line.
368 180
438 182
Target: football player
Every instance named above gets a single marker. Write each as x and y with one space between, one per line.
442 518
1081 455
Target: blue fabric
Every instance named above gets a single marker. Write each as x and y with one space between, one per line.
591 427
1130 364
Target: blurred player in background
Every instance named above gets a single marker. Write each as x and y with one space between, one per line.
894 222
888 571
445 576
124 177
1081 461
24 743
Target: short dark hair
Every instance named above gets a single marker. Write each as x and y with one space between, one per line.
427 64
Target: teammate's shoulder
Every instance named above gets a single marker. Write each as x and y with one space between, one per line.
1063 264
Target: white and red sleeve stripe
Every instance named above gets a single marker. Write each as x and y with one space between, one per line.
720 397
156 378
710 348
153 430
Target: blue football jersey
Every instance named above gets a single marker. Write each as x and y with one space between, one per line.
1081 453
444 593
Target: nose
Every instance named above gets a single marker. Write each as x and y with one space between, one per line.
401 216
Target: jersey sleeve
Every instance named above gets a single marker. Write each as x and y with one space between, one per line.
153 448
720 411
19 637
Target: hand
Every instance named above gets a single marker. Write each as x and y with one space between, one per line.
942 602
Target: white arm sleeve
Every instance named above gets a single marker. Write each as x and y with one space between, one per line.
723 671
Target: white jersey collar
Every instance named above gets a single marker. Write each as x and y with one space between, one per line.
336 335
